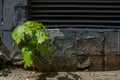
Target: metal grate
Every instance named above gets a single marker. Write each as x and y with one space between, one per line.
76 13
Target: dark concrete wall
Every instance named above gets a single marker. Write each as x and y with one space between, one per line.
78 48
99 46
14 13
0 13
72 40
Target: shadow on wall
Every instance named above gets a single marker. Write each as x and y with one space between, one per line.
4 55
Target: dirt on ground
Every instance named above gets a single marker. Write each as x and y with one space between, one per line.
15 73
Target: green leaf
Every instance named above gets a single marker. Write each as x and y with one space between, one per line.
42 26
34 25
18 34
32 43
41 36
28 57
43 48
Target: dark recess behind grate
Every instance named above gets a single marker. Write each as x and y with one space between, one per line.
76 13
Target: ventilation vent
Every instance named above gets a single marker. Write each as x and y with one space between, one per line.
76 13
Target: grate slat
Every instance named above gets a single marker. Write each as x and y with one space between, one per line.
76 13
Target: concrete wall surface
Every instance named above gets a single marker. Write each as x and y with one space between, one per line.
74 47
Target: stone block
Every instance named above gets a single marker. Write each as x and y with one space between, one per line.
63 62
83 62
111 45
96 63
76 41
10 49
14 13
112 62
87 47
0 12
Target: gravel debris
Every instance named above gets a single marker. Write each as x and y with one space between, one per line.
15 73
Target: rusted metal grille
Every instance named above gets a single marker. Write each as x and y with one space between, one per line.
76 13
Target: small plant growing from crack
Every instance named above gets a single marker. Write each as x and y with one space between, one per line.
31 37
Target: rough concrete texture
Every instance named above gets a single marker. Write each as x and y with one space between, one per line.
71 41
0 17
112 43
80 43
65 62
14 14
112 54
0 11
84 49
96 63
112 62
77 48
10 49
